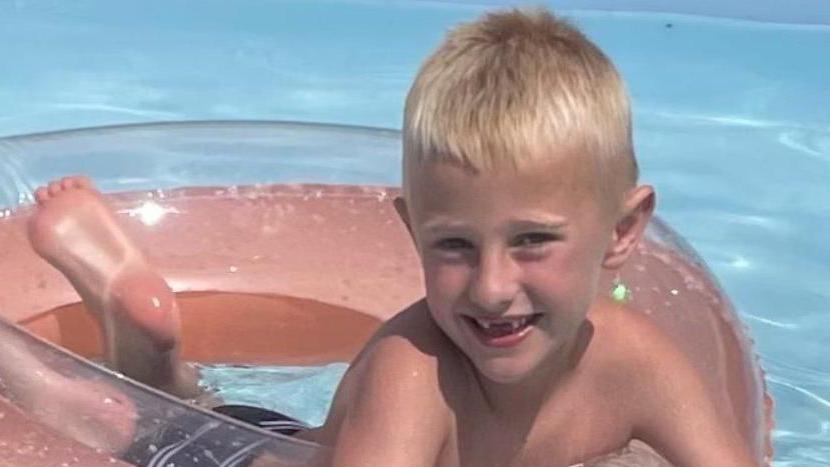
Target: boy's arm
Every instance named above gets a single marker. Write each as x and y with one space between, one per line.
675 413
392 411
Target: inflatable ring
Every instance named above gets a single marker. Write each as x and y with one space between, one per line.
290 227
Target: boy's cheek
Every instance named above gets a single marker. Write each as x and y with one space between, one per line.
444 282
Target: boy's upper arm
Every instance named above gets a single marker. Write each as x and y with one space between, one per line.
394 413
676 414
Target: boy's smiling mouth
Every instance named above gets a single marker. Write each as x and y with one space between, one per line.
502 331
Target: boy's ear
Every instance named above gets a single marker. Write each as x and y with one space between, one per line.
637 210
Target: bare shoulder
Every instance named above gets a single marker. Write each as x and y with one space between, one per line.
396 381
628 340
409 349
671 408
643 359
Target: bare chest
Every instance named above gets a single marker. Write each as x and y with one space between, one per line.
567 431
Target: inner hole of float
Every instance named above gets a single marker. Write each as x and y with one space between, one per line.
278 352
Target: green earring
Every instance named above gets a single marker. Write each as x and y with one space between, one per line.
620 292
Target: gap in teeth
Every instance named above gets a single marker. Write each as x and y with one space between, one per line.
514 323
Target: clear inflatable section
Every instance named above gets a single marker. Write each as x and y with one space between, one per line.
163 156
46 435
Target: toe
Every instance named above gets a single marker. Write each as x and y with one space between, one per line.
82 181
54 188
67 183
41 195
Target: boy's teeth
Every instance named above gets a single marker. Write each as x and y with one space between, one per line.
515 324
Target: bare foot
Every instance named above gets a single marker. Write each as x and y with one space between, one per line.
76 232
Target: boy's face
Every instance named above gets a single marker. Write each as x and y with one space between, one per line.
511 259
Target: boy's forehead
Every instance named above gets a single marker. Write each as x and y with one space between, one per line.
548 175
442 184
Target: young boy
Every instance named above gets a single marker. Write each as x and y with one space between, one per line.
519 190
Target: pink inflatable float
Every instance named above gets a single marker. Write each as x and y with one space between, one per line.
285 273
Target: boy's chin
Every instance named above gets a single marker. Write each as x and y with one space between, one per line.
506 370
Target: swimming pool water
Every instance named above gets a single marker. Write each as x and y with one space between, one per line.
301 392
732 125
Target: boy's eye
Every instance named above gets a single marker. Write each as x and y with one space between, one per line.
453 244
533 239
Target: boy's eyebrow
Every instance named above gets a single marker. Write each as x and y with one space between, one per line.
538 220
552 224
444 223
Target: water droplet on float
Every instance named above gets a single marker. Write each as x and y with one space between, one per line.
233 269
674 291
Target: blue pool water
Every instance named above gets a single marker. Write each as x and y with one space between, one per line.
732 123
302 392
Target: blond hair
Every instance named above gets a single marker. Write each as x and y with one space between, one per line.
512 88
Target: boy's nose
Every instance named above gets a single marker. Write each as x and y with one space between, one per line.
495 283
